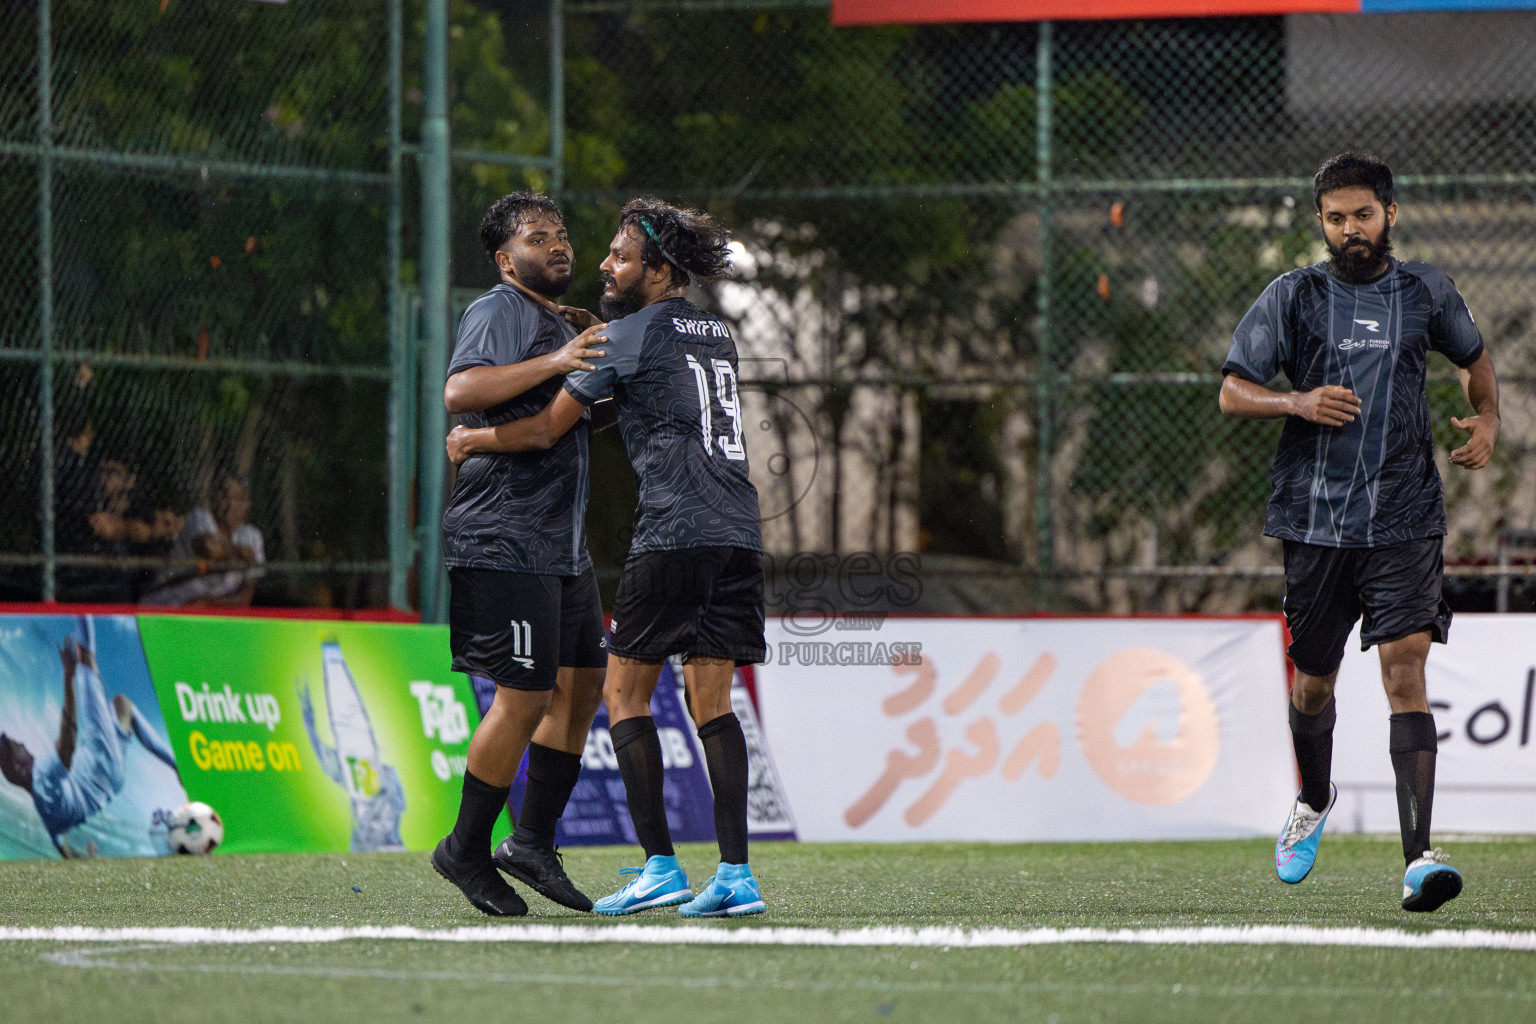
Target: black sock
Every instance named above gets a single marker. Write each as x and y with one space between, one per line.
725 751
638 750
1312 739
478 808
1413 746
551 777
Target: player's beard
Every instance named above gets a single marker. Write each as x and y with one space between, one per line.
615 304
1360 260
549 281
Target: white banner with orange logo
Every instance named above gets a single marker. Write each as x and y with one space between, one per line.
1030 729
1482 690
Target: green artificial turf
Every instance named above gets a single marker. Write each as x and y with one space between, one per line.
1356 883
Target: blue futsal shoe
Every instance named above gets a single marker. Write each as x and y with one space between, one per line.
1296 849
730 892
1430 882
661 883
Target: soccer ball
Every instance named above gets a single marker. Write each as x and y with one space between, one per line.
194 828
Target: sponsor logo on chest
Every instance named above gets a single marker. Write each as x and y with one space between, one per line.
1373 342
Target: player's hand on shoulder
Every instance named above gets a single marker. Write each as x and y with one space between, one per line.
579 318
574 354
1328 406
1479 447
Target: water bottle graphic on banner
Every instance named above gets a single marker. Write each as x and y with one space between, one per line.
355 762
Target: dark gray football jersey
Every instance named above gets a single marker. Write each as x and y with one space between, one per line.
671 369
1373 481
526 511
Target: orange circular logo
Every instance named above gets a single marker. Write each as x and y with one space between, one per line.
1148 726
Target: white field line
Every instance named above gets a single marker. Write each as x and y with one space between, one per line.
698 935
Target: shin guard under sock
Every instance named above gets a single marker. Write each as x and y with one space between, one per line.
552 775
1312 739
1413 746
638 750
725 752
478 809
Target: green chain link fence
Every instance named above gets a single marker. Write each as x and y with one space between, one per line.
995 269
196 280
987 278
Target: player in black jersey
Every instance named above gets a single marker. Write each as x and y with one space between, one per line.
524 613
693 583
1357 499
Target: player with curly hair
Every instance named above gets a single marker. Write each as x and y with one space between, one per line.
693 582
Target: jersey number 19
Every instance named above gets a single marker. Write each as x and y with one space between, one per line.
725 392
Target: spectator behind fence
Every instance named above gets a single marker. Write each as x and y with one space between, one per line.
100 514
217 559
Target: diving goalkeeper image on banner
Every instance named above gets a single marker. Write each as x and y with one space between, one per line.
309 736
88 770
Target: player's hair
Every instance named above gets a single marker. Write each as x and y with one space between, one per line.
688 241
511 212
1353 170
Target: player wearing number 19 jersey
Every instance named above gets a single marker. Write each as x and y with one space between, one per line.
693 582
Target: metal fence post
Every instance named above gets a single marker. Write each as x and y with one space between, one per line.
1045 370
45 288
434 303
400 548
556 96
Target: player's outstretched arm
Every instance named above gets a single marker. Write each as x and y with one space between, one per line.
481 387
70 655
1329 405
531 433
1482 390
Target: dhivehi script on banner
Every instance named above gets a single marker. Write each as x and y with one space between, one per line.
1482 688
1030 729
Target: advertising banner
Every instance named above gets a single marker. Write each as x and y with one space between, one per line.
88 770
1482 688
315 736
1030 729
908 12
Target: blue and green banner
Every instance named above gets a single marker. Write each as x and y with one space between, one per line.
302 735
314 735
88 769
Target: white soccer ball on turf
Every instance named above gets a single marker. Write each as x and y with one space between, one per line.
195 828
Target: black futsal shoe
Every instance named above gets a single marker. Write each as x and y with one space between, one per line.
486 891
542 870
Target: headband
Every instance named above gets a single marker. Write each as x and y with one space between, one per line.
663 249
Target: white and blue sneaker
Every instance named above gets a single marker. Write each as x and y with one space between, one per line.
1430 882
661 883
730 892
1296 849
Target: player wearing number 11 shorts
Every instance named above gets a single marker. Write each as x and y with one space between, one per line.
693 583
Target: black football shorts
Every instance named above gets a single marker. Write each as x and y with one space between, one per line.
1395 588
704 601
517 628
